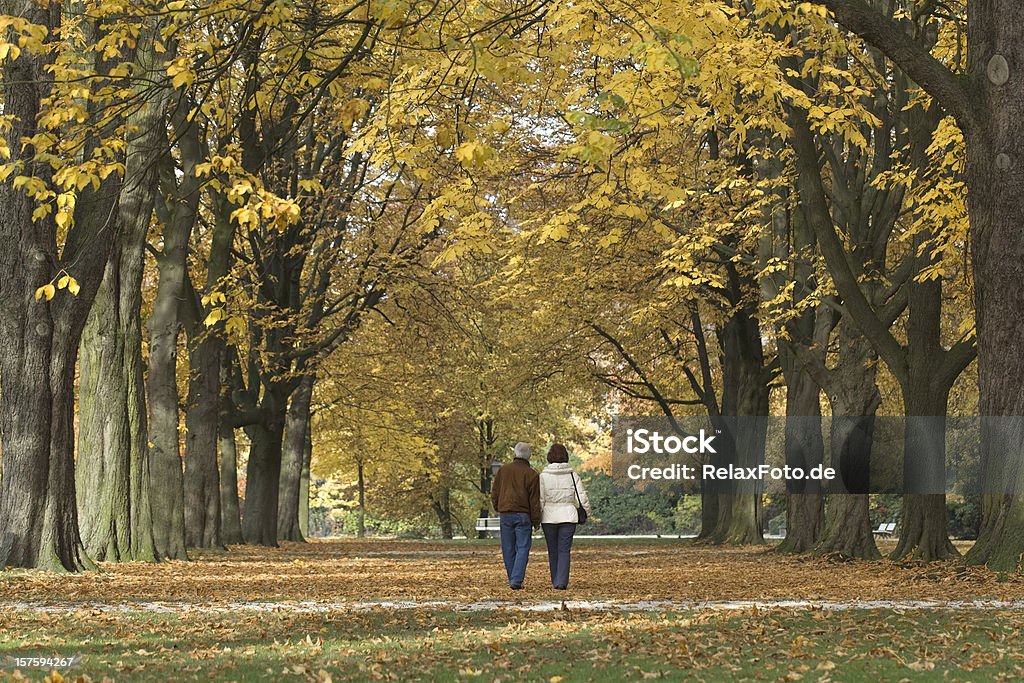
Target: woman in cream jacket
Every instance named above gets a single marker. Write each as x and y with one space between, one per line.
561 492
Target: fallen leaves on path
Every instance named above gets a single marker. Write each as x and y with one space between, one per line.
349 570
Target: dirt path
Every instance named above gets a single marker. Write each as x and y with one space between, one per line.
311 607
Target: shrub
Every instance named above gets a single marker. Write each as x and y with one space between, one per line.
964 518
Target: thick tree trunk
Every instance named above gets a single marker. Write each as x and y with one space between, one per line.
263 473
708 511
922 532
720 531
38 339
112 470
716 497
167 493
293 461
793 239
204 521
804 522
745 523
804 449
202 478
38 511
854 400
744 360
995 179
26 402
847 532
61 545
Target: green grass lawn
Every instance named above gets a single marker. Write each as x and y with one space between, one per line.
856 645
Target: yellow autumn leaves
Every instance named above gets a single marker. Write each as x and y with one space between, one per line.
63 281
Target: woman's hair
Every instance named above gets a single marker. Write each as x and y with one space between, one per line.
557 453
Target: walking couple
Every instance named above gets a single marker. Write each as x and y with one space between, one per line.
526 500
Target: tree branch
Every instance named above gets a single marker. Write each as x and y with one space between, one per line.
812 195
917 62
665 405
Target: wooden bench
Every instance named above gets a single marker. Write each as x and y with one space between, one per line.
885 529
489 525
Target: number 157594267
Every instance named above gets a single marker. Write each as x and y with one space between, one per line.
18 661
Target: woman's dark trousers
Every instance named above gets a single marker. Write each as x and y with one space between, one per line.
559 540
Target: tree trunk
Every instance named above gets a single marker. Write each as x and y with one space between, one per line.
361 484
38 511
804 449
263 474
708 510
168 493
854 399
995 180
61 545
230 519
793 239
112 469
716 496
922 534
848 532
293 462
745 523
202 478
204 521
443 508
485 438
38 339
744 356
307 459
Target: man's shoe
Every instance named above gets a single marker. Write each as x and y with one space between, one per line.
516 586
560 588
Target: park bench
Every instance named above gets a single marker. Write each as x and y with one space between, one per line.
885 529
490 525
